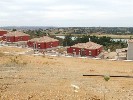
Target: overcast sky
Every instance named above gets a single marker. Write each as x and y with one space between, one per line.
64 13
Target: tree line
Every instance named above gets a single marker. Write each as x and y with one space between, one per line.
107 42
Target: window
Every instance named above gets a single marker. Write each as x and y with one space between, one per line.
73 50
51 44
39 46
89 53
98 51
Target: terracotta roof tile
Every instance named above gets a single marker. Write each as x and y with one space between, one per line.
2 30
88 45
16 33
43 39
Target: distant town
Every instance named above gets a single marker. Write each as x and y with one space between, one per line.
76 30
96 42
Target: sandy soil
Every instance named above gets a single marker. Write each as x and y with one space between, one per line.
50 78
12 49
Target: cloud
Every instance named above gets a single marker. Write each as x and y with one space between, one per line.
66 12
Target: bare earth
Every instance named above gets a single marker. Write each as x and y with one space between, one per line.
49 78
12 49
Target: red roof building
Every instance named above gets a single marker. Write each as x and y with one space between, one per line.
44 42
85 49
2 32
15 37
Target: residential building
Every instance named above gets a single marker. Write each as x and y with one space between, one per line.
2 32
15 37
44 42
85 49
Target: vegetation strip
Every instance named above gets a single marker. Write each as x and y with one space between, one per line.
111 76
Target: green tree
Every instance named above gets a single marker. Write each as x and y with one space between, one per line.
68 40
14 29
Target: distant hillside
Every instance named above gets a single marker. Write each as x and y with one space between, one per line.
27 27
76 30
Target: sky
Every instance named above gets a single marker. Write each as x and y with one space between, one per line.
67 13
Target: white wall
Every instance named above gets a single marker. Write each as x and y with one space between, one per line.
130 51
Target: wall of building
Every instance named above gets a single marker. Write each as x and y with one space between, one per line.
2 33
43 45
24 38
40 45
130 51
69 50
51 44
10 39
21 38
15 39
84 52
56 43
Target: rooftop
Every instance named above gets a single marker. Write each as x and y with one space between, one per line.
16 33
88 45
43 39
2 30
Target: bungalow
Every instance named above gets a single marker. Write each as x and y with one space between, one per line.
85 49
44 42
15 37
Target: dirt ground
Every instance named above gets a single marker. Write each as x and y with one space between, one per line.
28 77
12 49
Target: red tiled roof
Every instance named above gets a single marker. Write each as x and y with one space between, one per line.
88 45
43 39
2 30
16 33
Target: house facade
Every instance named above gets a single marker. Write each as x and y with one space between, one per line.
2 32
15 37
130 50
85 49
44 42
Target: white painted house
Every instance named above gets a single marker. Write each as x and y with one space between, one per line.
130 50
